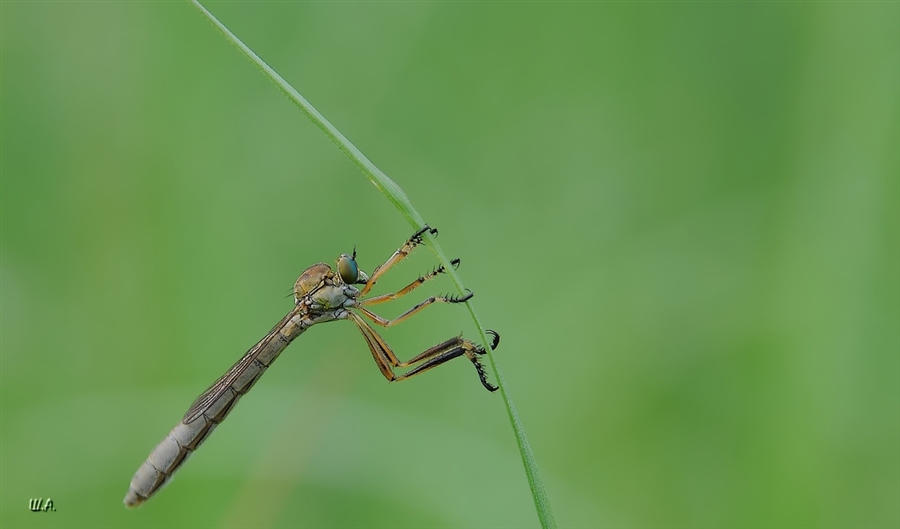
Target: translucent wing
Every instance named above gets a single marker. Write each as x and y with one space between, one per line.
220 386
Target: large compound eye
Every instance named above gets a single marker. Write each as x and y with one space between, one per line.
348 269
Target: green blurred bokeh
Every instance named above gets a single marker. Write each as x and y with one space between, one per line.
683 219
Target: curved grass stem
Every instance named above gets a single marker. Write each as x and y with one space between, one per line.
395 194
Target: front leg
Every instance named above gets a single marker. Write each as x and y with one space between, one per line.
398 256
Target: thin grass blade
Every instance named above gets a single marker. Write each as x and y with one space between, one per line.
395 194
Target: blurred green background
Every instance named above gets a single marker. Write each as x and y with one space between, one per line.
683 219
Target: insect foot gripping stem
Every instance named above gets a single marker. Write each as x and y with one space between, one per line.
417 236
482 374
496 341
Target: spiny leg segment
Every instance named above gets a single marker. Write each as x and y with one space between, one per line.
410 287
449 350
428 359
398 256
384 322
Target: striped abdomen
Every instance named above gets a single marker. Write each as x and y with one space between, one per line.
211 408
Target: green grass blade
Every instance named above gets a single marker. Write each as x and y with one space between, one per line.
396 195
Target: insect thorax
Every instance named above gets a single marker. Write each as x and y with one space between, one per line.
311 279
331 297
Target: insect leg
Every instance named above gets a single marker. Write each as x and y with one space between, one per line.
384 322
398 256
428 359
410 287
